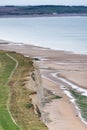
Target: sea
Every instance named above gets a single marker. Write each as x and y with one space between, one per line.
59 33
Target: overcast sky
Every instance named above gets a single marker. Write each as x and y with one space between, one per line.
43 2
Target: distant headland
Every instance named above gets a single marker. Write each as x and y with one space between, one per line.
42 10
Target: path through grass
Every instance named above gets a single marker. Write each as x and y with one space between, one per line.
6 68
19 95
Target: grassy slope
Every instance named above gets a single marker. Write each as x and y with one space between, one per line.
6 68
20 104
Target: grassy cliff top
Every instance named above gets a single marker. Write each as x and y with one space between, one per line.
16 110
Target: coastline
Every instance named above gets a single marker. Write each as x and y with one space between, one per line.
44 15
40 47
71 66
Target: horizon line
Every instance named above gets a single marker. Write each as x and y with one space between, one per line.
39 5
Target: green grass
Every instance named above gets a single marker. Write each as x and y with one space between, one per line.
81 102
7 65
20 104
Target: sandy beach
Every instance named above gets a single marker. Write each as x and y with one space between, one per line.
57 69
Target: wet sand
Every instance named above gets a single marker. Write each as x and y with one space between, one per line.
61 114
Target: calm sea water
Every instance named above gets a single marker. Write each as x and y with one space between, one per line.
61 33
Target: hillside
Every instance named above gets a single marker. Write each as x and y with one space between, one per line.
42 10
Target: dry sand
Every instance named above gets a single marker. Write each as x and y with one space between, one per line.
60 114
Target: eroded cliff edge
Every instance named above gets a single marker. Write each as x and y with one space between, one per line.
17 110
34 83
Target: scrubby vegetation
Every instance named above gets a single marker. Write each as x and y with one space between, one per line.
19 103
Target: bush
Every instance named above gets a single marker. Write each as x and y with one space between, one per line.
28 105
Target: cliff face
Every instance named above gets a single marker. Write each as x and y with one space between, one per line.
37 98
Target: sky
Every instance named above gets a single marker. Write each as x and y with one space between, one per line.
43 2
